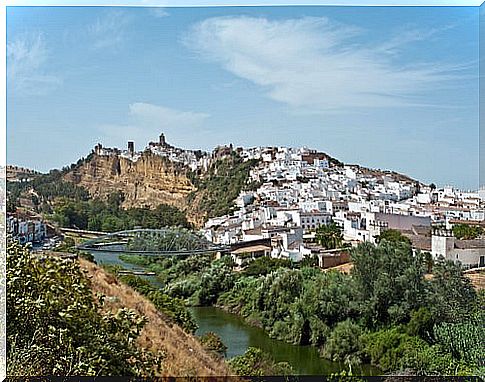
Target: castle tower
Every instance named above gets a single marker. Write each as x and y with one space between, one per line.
131 147
98 149
442 244
162 140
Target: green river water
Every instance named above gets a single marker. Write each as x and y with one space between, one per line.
237 335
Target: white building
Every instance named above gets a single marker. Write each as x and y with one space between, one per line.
470 253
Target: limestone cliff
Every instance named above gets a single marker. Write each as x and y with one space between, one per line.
148 181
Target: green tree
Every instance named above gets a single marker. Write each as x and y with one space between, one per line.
429 262
265 265
329 297
466 231
211 341
115 199
344 343
421 324
11 204
393 235
389 282
388 347
329 236
174 308
450 294
219 278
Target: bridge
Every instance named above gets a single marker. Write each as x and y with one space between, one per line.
169 241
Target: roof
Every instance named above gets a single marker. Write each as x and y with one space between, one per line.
253 248
421 230
420 242
468 222
470 244
253 231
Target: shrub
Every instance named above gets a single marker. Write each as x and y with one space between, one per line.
343 342
55 327
211 341
254 362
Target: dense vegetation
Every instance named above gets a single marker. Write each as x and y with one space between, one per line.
467 232
394 236
47 188
221 185
385 312
108 216
56 327
172 307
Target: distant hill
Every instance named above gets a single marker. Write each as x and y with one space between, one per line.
17 174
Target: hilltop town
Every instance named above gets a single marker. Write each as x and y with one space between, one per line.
301 189
289 193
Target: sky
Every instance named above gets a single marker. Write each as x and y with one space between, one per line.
384 87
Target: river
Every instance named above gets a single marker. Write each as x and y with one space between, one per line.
237 335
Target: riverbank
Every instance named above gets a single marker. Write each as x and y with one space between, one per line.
184 355
346 318
238 336
239 333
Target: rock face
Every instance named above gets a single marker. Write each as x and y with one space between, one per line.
147 182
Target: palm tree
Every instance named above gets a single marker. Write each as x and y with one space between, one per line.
329 236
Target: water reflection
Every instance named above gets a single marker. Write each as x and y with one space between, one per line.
237 335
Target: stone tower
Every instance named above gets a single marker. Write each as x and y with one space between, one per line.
131 147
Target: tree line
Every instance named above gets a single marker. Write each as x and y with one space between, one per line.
385 312
109 216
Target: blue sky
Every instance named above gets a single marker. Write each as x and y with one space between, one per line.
384 87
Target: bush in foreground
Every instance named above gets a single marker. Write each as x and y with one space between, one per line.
254 362
55 326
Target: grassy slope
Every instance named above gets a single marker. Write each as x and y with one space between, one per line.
185 356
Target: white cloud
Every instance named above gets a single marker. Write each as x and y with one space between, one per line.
159 12
147 121
109 31
315 64
165 117
26 57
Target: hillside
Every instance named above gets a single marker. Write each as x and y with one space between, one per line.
16 173
69 317
153 180
219 187
184 355
149 181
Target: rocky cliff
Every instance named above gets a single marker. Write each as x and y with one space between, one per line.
149 181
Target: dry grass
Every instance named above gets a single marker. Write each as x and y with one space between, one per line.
185 356
342 268
477 278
